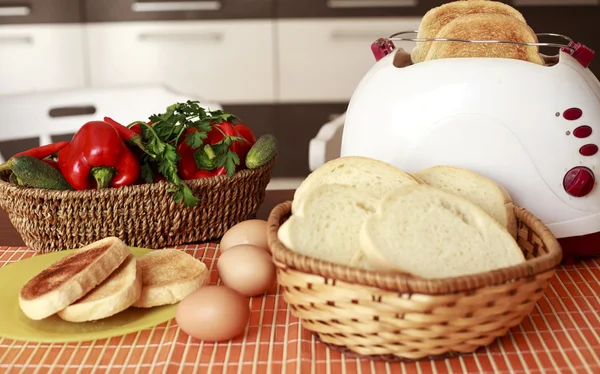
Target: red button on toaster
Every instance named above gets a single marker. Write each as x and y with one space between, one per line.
582 132
579 181
588 150
572 114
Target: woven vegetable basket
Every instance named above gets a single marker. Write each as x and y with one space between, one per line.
141 215
400 317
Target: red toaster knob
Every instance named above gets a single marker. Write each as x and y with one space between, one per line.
579 181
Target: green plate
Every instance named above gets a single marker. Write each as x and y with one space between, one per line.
15 325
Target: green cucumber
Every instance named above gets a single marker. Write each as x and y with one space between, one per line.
13 179
261 152
36 173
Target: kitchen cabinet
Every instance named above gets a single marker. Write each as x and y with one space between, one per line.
40 11
41 57
354 8
221 60
323 60
170 10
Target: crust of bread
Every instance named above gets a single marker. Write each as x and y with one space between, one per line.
117 293
72 277
486 27
168 276
436 18
415 176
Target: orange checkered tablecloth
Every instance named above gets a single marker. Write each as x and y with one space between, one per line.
562 335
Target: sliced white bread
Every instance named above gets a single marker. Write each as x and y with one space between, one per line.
71 278
490 196
168 276
328 224
117 293
432 233
365 174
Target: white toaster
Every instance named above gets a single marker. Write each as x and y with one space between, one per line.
533 129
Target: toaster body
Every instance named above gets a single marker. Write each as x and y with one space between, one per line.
533 129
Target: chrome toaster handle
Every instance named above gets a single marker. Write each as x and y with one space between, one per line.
584 55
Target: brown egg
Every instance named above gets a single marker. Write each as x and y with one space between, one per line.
213 313
253 231
247 269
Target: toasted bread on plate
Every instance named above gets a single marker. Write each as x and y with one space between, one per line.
486 27
431 233
485 193
169 275
436 18
117 293
71 278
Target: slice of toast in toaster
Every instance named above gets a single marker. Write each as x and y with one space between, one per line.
117 293
436 18
486 27
169 275
488 195
71 278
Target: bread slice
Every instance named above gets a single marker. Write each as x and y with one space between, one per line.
117 293
486 27
432 233
365 174
436 18
70 278
169 275
328 225
485 193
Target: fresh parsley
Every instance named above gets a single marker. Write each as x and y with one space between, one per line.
164 134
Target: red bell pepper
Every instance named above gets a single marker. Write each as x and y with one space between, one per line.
247 134
210 173
127 134
52 163
40 153
240 146
97 157
186 167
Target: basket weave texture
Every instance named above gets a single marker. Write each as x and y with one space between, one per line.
142 215
401 317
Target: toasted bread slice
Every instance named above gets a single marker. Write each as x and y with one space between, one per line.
436 18
486 27
71 278
328 225
487 194
169 275
432 233
368 175
117 293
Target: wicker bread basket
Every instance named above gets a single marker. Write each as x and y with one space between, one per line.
141 215
399 317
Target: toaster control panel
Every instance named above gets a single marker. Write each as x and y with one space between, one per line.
579 181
